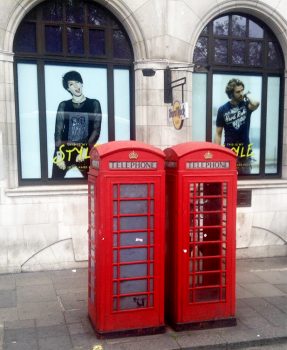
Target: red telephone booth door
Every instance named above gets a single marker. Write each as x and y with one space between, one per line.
137 268
208 246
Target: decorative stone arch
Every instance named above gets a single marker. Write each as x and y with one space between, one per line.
274 20
119 9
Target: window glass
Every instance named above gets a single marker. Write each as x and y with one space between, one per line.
53 10
238 52
97 42
220 26
255 54
122 103
238 26
255 31
53 39
272 125
29 121
75 37
273 55
200 52
94 87
74 11
199 82
121 45
220 51
26 42
97 15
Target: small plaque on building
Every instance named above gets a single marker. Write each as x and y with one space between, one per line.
244 198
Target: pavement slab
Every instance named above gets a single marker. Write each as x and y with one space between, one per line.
48 311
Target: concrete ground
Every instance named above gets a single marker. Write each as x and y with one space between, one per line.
48 311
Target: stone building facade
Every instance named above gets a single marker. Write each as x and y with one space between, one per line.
44 225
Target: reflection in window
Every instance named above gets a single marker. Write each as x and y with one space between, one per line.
255 54
238 26
53 10
97 15
75 11
200 52
75 38
97 42
121 45
255 31
53 39
26 42
238 47
220 26
220 51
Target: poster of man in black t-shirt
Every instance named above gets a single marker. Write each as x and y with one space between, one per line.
234 118
77 128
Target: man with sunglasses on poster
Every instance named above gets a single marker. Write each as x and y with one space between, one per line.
234 118
77 128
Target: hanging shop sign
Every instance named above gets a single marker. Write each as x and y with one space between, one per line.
178 112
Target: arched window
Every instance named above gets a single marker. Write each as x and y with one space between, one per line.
61 116
240 47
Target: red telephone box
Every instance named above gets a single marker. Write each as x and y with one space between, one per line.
126 239
201 187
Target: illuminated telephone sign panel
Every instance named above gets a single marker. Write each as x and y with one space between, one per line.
201 188
126 239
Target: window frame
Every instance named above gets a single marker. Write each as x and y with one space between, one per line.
41 58
210 68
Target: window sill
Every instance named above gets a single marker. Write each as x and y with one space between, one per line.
68 190
35 191
258 184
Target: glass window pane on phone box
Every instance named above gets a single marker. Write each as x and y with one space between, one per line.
134 191
134 207
133 223
133 286
53 39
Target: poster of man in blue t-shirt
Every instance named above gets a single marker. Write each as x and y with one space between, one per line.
234 118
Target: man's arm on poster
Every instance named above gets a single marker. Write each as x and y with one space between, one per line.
252 104
218 135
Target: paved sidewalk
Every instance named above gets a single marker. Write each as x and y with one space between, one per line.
48 311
